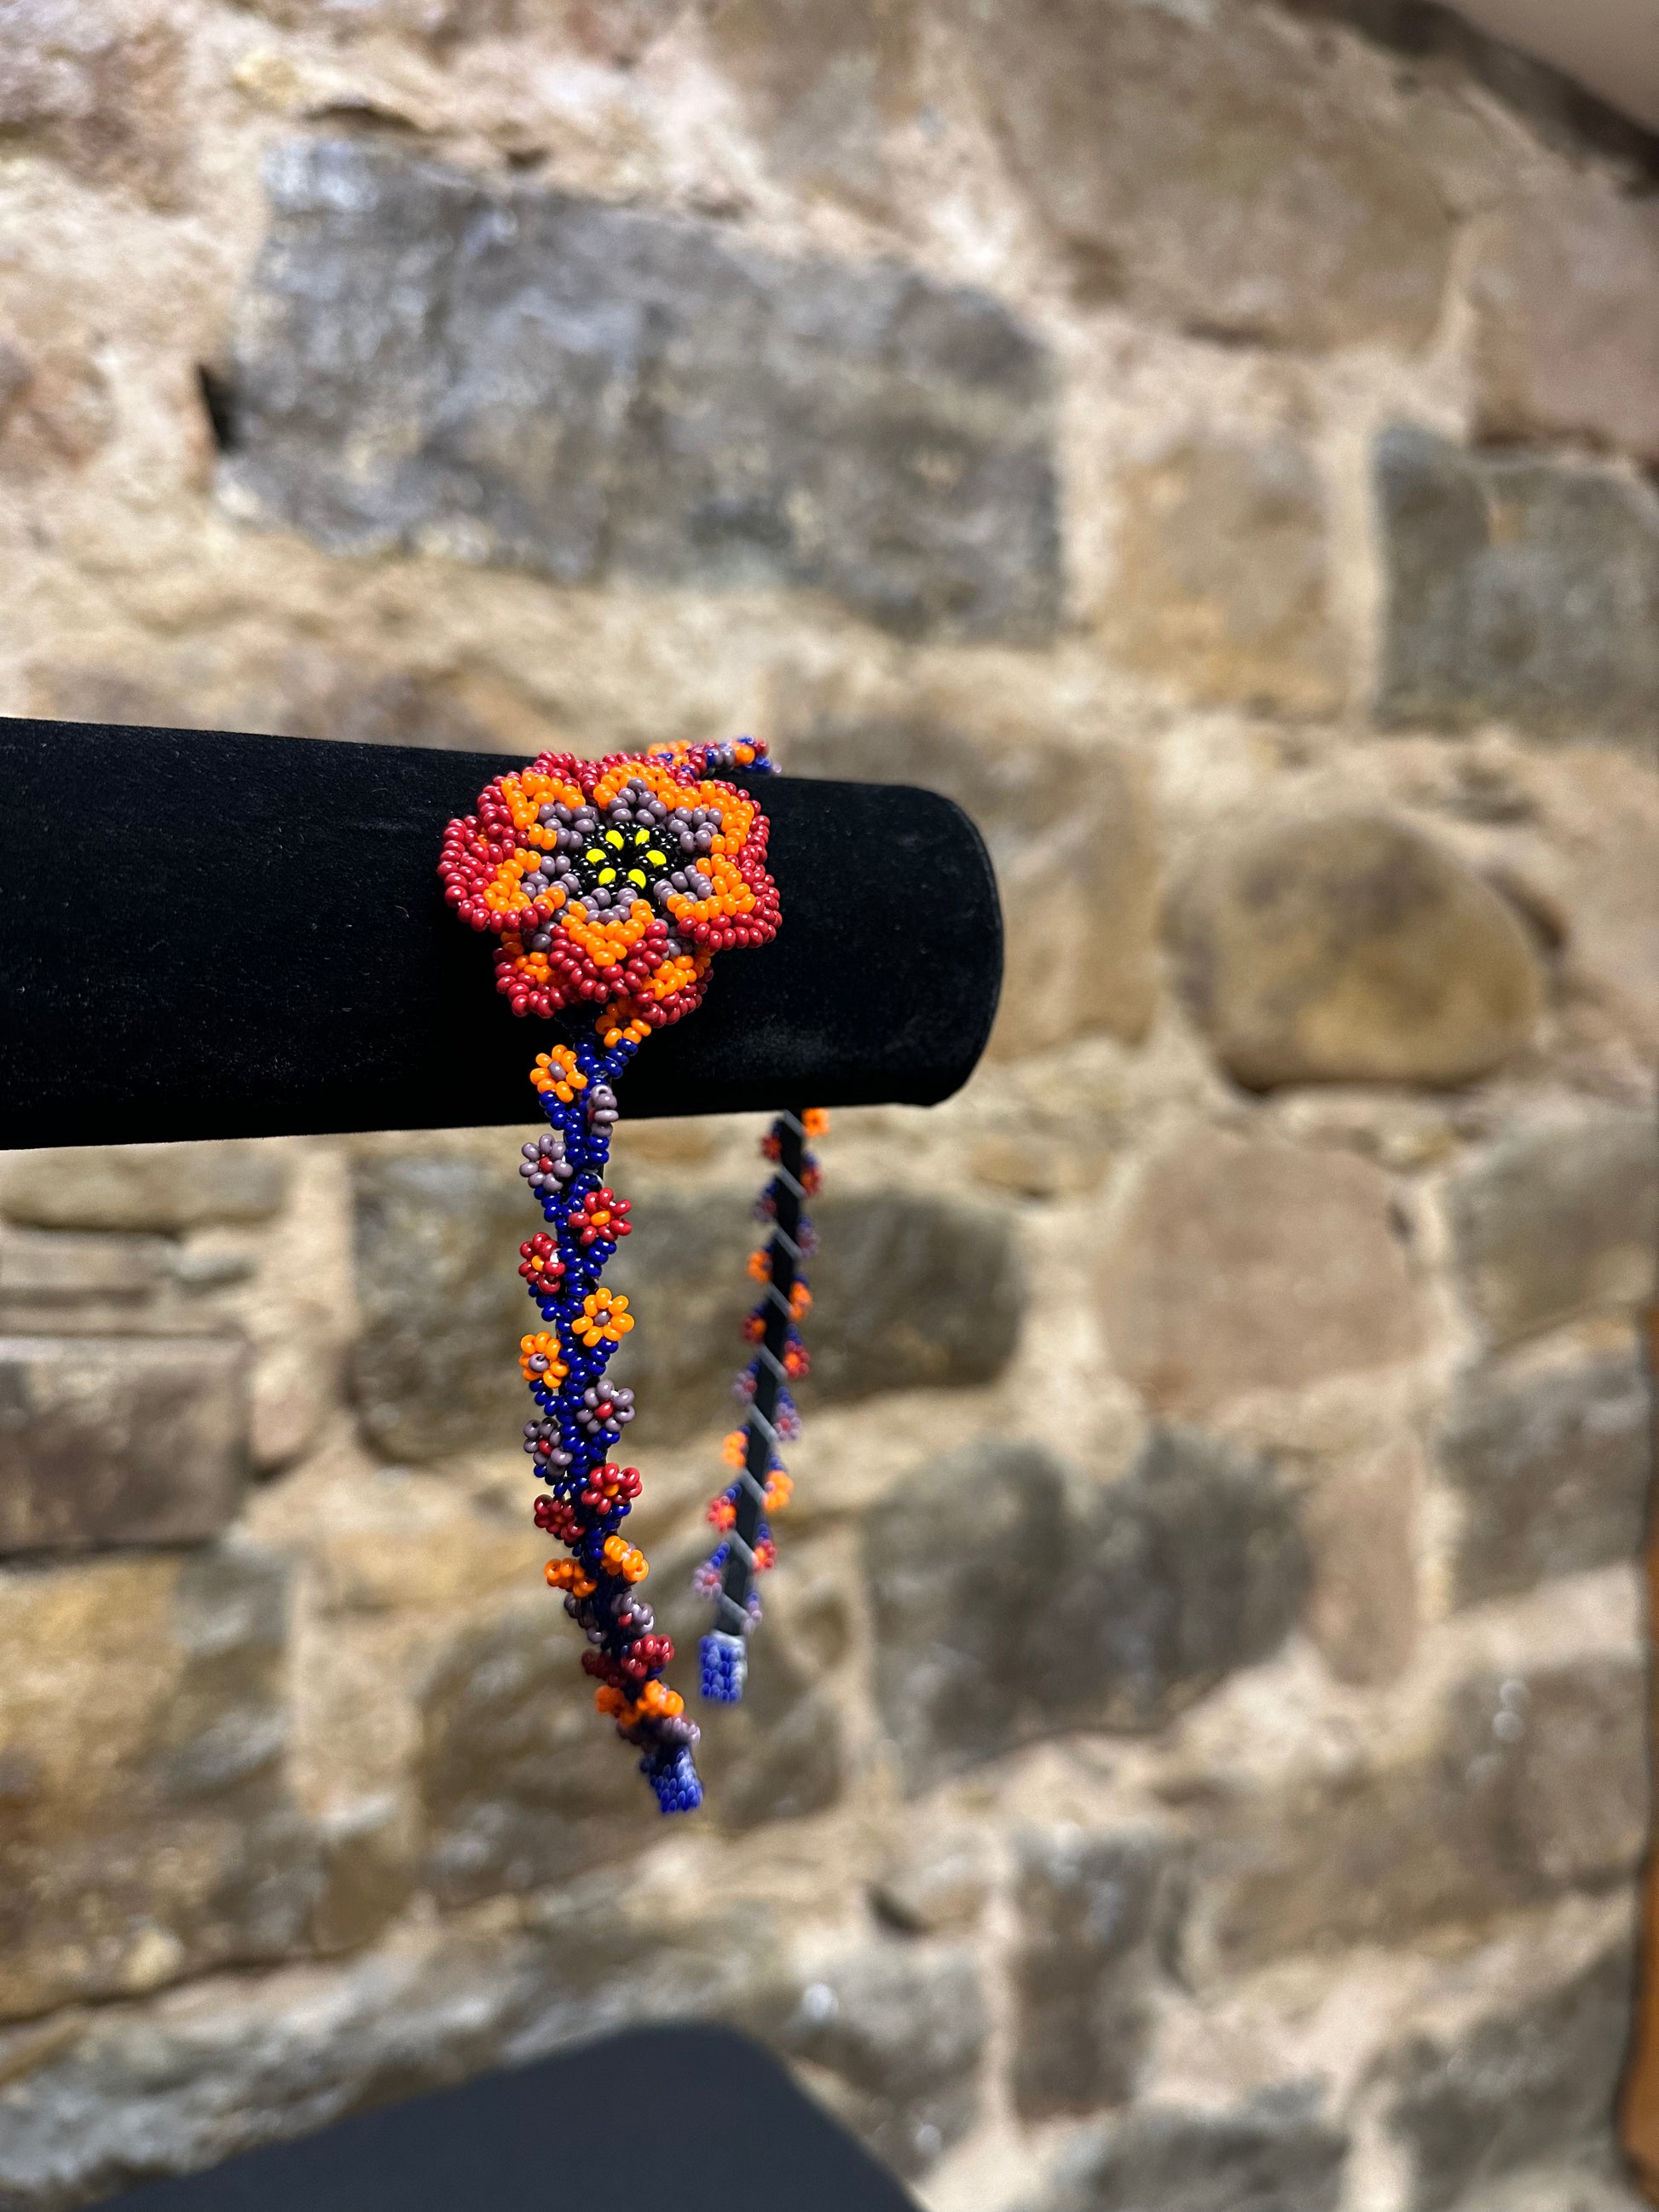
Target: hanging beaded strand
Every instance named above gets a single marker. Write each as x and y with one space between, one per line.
582 1418
613 881
762 1485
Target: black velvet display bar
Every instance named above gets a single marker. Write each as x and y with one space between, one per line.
207 935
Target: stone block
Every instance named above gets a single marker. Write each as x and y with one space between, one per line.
1561 1218
156 1186
1087 1905
1550 1471
1518 589
780 1754
822 86
936 1881
1352 949
1239 1266
441 1307
138 1440
55 1269
891 2035
1529 2072
1007 1606
1274 2153
1070 830
1513 1790
99 87
146 1828
908 1292
1222 172
521 1783
1222 582
125 2092
1361 1520
1565 295
585 390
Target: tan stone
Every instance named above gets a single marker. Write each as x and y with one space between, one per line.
162 1187
1070 829
1565 293
1222 580
1236 1265
823 84
1361 1525
100 86
1215 168
1354 949
146 1829
56 407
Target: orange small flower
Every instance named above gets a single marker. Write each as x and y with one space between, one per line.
539 1360
604 1318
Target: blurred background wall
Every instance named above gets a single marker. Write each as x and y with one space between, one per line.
1198 1729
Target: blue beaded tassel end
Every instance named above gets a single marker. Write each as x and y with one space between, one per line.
725 1665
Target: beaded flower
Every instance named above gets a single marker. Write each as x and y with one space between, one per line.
615 880
611 883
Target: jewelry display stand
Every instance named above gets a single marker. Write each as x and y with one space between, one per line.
205 935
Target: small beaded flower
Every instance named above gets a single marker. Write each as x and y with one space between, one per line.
611 883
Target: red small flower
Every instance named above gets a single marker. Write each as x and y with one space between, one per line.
601 1217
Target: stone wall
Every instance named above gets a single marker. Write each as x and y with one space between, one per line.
1196 1751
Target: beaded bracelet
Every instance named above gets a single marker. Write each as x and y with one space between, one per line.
763 1484
614 882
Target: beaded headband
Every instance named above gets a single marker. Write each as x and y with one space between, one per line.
615 881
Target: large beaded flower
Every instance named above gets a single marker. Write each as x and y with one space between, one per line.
615 880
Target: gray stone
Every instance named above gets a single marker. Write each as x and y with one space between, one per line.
780 1754
1550 1471
1561 1217
1222 580
1518 1788
158 1187
441 1307
1070 830
1222 171
1087 1915
126 2093
908 1292
1007 1610
147 1830
1352 949
1276 2154
119 1441
1566 294
1534 2078
521 1783
586 390
1236 1265
1518 589
892 2034
1595 2182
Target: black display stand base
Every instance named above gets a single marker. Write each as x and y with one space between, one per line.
671 2119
